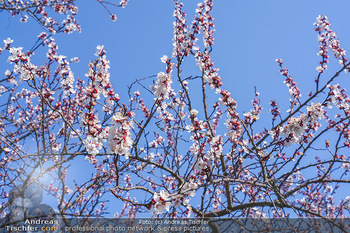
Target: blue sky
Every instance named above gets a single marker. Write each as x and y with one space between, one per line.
249 36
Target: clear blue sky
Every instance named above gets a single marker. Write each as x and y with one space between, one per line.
249 36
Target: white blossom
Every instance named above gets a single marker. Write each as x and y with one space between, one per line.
119 135
161 202
162 88
164 58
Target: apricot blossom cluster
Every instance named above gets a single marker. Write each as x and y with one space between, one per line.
39 10
119 135
327 39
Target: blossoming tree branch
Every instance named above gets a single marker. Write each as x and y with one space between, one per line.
176 146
